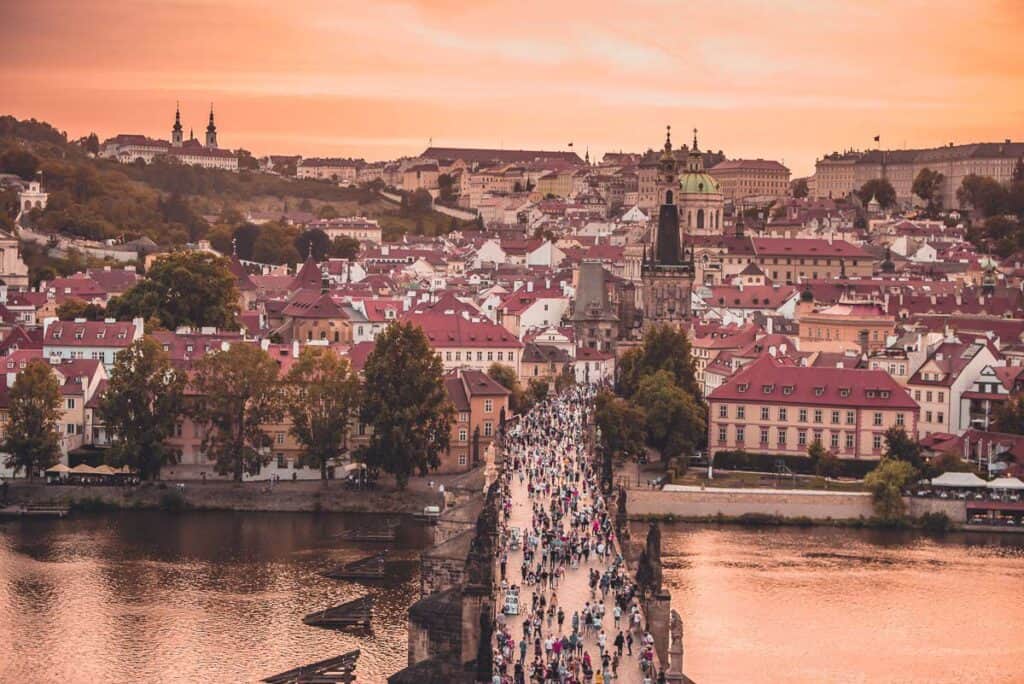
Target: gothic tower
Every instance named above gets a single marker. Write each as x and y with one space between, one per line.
666 274
211 132
176 130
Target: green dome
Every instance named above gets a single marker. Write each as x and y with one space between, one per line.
698 184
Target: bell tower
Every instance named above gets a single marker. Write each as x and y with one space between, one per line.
211 132
176 130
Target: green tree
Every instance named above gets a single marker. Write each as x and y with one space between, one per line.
141 407
506 377
316 240
1009 417
879 188
20 162
34 409
327 211
276 245
983 193
405 404
621 423
237 395
665 347
900 446
182 288
565 379
799 188
823 461
536 392
886 483
77 308
675 422
92 144
343 247
928 186
322 393
446 188
246 162
244 240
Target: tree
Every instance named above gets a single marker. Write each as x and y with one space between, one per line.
246 161
77 308
886 483
536 392
327 211
664 348
1009 417
315 240
276 245
621 423
879 188
566 378
405 404
92 144
799 188
446 188
237 395
182 288
244 240
506 377
344 247
675 421
900 446
983 193
20 162
824 461
142 406
928 186
947 462
33 439
322 393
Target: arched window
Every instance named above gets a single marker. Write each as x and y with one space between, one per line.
668 197
700 219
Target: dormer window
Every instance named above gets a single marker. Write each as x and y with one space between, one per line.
742 387
870 394
844 392
768 389
787 390
79 334
884 394
818 391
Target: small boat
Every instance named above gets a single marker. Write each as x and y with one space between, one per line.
354 614
36 511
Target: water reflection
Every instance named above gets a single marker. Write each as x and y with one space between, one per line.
839 605
146 596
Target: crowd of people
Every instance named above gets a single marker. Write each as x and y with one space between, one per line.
582 623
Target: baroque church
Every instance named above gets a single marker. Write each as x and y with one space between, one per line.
690 203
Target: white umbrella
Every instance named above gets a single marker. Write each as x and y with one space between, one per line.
957 480
1005 483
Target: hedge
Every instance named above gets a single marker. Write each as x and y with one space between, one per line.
765 463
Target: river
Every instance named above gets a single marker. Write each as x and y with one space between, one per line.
840 605
196 597
219 597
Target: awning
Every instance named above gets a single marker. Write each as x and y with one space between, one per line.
957 480
59 468
107 470
1005 483
84 469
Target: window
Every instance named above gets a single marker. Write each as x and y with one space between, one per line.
463 416
488 405
803 415
835 417
764 436
479 356
927 416
877 419
462 459
723 411
488 428
490 356
70 428
764 413
782 437
817 415
928 395
782 414
900 420
510 355
463 434
940 417
722 434
741 412
817 436
740 434
281 462
71 403
801 438
917 395
850 418
447 356
834 440
876 441
942 396
849 440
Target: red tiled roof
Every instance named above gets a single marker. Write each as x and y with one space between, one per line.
806 247
458 331
767 381
89 334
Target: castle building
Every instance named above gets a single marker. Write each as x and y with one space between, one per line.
666 272
131 148
700 197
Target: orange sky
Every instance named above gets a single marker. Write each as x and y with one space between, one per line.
783 79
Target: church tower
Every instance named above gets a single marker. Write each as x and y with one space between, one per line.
211 132
666 274
176 130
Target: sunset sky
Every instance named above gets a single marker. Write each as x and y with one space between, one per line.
785 79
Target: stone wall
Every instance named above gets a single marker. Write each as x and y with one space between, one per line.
694 502
955 509
443 566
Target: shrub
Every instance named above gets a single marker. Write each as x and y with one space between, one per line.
802 465
936 522
173 502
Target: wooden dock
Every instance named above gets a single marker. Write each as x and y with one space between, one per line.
354 614
338 670
368 535
34 511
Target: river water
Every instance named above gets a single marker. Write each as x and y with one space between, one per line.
837 605
196 597
219 597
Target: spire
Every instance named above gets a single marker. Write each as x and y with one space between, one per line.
211 132
695 148
176 128
668 140
211 118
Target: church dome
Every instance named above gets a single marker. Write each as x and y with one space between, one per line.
698 184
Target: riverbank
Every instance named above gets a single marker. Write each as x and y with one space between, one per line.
291 497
